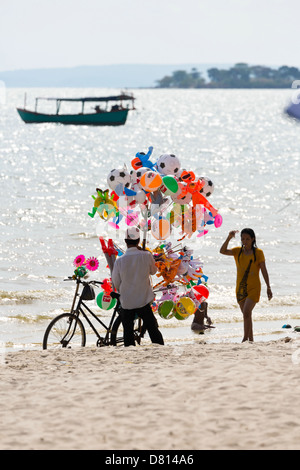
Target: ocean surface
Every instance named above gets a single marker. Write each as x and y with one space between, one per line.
241 139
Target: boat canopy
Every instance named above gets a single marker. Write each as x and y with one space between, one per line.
87 99
121 97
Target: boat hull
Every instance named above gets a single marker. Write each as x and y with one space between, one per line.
113 118
293 110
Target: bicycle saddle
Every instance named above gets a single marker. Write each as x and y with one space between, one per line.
115 295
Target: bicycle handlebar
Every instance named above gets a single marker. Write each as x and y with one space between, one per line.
78 279
114 295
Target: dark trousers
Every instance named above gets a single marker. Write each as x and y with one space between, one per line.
149 323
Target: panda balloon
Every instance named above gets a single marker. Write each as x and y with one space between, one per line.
208 187
118 177
168 164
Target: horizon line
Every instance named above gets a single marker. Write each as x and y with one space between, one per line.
128 64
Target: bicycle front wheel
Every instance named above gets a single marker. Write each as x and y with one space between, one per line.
64 331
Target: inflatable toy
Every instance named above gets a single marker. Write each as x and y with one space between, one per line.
184 308
103 204
218 220
142 160
208 186
168 164
166 309
169 186
202 290
105 301
160 229
166 202
154 191
151 181
118 177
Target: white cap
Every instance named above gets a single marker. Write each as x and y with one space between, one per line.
132 233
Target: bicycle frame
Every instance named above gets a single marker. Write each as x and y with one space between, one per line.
103 340
66 330
81 305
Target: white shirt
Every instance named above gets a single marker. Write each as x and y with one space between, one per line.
131 278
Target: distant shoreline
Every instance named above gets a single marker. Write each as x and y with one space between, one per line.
241 76
145 76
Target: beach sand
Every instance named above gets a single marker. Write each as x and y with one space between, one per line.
188 396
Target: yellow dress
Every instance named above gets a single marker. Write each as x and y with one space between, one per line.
247 280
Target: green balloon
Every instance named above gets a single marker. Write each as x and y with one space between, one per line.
170 183
105 301
178 316
165 309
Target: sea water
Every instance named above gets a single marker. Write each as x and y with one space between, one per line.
240 139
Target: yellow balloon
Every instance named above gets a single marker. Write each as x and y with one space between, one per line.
106 208
185 307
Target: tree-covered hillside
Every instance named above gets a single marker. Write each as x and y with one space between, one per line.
241 75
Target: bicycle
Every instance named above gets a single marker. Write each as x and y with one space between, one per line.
67 329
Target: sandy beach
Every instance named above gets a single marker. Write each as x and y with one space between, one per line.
190 396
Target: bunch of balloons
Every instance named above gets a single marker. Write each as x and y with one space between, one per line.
180 271
158 197
163 200
177 265
181 306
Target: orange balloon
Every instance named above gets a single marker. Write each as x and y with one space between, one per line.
151 181
136 163
161 229
187 176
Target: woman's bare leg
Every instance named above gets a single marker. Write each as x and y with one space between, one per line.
246 307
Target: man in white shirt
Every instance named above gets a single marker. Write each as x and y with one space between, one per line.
131 278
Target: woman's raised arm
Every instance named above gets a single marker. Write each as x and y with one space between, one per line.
224 248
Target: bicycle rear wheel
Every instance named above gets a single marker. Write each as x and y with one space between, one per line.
116 335
64 331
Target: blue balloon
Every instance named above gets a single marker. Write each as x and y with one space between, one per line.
145 158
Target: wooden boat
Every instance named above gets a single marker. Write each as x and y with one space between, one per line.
115 116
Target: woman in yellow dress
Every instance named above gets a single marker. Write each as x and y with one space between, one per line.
249 261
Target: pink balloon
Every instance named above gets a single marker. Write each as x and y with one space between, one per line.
203 232
132 219
218 221
114 225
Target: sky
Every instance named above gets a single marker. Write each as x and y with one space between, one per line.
68 33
